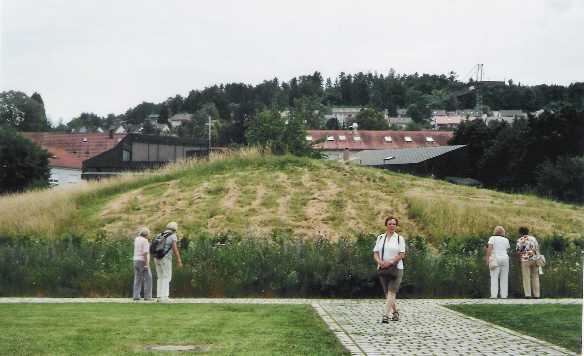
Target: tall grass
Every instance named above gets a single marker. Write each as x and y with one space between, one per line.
282 265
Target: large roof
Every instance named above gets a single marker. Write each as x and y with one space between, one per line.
401 156
377 140
69 150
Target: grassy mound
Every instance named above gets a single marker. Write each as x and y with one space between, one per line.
251 193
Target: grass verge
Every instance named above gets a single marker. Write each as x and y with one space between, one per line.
558 324
122 329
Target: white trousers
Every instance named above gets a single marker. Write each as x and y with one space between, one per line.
163 276
500 277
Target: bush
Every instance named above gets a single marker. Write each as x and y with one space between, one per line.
281 266
563 180
22 163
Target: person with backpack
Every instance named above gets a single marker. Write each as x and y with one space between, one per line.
141 259
160 249
388 253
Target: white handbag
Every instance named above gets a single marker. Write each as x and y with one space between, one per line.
493 262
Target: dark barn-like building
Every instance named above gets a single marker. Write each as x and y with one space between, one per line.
438 161
139 152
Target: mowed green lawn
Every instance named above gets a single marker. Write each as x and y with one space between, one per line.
558 324
123 329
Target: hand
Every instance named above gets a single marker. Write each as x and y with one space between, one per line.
179 264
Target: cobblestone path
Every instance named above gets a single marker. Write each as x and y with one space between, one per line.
426 326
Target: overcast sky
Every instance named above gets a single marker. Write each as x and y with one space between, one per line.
105 56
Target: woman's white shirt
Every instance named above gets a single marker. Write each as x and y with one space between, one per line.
500 245
392 247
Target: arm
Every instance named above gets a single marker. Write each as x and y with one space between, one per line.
146 259
488 253
176 254
380 263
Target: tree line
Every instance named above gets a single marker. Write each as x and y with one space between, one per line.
233 106
542 154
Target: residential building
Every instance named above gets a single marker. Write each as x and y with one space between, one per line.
335 142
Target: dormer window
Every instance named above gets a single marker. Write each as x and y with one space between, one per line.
408 139
342 138
330 138
429 139
308 138
387 139
356 138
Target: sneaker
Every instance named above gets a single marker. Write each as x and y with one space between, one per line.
395 316
385 319
164 301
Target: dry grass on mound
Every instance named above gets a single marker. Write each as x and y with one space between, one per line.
235 193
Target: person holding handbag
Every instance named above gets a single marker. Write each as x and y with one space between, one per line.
498 262
528 250
388 253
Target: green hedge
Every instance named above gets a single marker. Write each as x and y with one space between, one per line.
280 266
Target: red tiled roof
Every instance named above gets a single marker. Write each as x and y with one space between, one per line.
375 140
69 150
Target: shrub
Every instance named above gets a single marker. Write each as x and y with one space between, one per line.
230 265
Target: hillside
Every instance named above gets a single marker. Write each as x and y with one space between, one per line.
256 194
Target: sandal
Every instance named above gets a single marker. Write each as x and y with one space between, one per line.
385 319
395 316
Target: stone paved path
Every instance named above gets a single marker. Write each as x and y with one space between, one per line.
426 326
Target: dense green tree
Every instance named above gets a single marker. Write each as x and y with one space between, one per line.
23 113
370 119
90 121
22 163
563 179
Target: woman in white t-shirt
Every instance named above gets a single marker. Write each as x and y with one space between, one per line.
141 259
498 262
389 250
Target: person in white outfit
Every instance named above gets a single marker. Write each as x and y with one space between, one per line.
498 262
164 264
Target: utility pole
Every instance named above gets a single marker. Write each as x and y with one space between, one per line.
479 79
209 135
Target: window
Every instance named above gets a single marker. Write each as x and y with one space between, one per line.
429 139
342 138
308 138
125 155
408 139
356 138
330 138
387 139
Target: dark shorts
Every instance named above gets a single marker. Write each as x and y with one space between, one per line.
391 283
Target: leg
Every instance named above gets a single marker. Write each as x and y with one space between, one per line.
166 271
504 277
534 272
138 277
525 277
158 277
390 307
495 282
147 284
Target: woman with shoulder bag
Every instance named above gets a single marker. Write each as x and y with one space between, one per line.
389 250
528 250
498 262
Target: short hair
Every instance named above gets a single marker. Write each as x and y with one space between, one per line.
143 231
523 230
499 231
391 218
172 226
